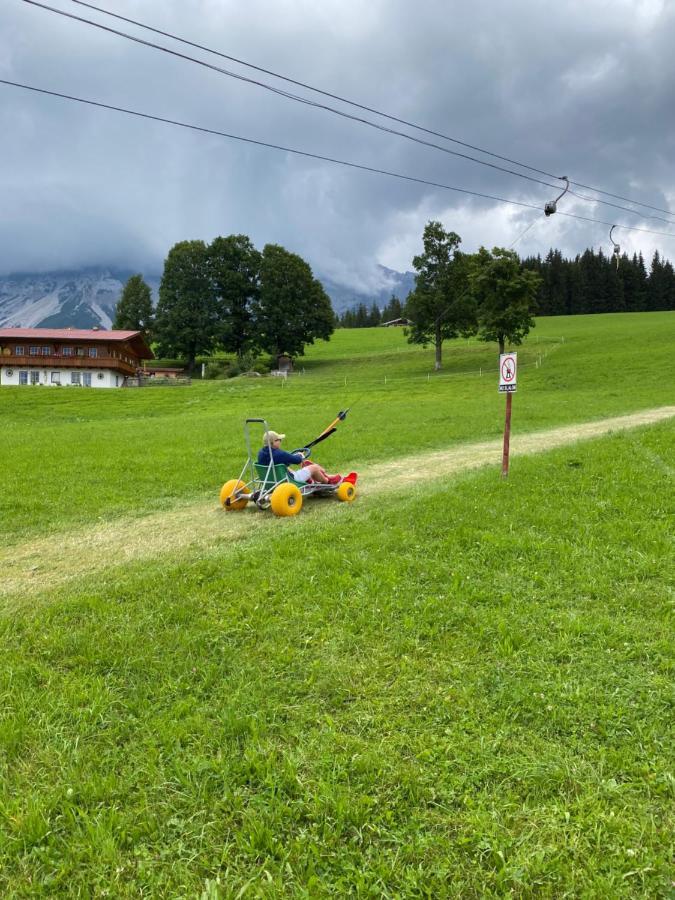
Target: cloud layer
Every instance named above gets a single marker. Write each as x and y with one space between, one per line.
581 89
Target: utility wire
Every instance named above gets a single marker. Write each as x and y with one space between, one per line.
325 107
307 154
365 108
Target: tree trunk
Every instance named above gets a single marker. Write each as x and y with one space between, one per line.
501 344
439 347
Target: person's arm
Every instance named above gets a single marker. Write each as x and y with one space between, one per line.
288 459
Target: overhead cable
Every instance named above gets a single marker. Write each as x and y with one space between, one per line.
365 108
317 156
307 102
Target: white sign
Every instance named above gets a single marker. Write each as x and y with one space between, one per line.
508 367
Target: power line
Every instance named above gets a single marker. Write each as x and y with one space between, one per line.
363 107
325 107
317 156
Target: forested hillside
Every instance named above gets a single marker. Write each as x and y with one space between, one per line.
593 283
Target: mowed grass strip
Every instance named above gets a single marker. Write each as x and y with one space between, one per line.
460 691
196 527
77 458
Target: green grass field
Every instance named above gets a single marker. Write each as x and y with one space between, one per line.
459 689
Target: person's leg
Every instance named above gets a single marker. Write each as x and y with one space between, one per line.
317 473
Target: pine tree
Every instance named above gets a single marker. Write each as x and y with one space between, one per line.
134 308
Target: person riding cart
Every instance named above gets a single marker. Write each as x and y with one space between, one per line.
267 481
308 471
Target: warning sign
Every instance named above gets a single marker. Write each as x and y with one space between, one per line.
508 367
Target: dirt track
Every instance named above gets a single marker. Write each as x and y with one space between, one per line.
46 563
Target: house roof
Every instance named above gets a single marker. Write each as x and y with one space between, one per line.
135 338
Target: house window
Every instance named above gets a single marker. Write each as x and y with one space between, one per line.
35 378
34 351
66 351
56 378
93 352
79 351
23 377
86 379
75 378
46 351
19 351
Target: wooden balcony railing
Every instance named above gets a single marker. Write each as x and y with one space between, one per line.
68 362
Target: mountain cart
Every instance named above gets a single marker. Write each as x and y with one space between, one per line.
272 485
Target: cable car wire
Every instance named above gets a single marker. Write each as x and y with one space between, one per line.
317 156
305 101
363 107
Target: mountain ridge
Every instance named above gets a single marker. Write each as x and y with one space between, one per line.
86 297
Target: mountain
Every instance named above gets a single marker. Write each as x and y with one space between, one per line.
81 298
84 298
387 282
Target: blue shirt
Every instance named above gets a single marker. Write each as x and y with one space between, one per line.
279 456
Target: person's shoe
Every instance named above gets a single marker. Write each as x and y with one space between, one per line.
351 477
334 479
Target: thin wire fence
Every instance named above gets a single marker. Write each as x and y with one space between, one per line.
355 379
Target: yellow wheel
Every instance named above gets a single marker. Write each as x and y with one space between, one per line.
346 492
286 500
226 492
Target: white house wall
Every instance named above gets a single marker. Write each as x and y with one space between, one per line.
100 378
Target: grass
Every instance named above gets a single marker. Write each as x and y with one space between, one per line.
77 457
473 706
461 690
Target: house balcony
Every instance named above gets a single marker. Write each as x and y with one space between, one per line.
69 362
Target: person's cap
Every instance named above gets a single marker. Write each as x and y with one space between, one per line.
270 436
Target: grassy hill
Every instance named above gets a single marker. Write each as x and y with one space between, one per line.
460 688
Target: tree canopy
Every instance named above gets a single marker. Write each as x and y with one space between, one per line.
229 296
503 293
234 265
292 308
186 323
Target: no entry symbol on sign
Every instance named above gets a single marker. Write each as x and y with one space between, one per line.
508 366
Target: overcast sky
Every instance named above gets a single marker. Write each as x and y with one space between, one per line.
584 89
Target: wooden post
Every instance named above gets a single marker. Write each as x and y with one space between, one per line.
507 437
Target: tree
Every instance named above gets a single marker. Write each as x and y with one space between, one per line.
234 266
374 316
292 308
504 293
134 308
439 306
393 309
186 322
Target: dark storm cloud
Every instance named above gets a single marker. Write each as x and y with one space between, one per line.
585 90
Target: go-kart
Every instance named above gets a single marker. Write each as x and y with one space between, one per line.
272 485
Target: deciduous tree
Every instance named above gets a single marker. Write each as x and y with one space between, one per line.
186 323
440 306
504 293
234 266
292 308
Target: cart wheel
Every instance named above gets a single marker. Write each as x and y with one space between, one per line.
226 492
286 500
346 492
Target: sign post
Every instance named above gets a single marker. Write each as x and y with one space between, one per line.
508 369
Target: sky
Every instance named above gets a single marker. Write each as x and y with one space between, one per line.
583 89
